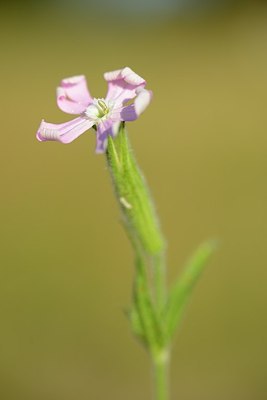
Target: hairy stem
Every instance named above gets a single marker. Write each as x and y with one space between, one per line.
142 227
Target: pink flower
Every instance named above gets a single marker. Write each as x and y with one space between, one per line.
126 99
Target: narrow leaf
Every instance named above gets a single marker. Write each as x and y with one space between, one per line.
182 289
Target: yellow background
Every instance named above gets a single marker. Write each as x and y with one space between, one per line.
66 265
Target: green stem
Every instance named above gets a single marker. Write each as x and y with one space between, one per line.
141 224
161 359
161 375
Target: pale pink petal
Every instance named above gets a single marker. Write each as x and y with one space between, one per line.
105 128
64 133
73 96
122 84
142 100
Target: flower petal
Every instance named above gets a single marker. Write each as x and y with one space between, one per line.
133 111
105 128
122 84
73 96
64 133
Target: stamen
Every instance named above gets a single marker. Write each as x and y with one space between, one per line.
98 110
103 105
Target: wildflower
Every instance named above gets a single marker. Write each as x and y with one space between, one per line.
126 99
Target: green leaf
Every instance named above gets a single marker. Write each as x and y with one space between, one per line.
181 291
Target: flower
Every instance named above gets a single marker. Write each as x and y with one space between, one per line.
126 99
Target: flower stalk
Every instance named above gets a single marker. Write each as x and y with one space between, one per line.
141 224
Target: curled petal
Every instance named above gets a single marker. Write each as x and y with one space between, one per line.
64 133
142 100
122 84
127 74
73 96
105 128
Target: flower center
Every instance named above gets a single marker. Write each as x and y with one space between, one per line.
103 108
99 109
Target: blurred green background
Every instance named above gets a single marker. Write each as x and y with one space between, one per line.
66 265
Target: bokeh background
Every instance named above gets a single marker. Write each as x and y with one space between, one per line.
66 265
